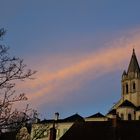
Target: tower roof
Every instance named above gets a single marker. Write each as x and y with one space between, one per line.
133 66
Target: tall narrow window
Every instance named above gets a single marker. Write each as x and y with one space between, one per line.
129 117
134 87
123 89
126 88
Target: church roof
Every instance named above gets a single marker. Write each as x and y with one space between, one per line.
127 103
133 66
96 115
113 112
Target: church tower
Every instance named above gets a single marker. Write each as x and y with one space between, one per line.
131 82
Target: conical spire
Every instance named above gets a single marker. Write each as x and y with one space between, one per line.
133 66
124 72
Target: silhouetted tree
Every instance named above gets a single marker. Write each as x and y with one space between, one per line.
12 69
40 131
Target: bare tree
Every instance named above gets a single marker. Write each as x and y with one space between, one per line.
12 69
40 131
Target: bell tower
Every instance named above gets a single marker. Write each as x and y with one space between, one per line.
131 82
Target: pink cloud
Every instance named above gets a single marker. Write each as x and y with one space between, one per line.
68 73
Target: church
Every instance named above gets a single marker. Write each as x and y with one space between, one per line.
128 107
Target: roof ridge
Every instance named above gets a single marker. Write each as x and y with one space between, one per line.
96 115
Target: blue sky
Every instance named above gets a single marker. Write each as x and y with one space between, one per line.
56 36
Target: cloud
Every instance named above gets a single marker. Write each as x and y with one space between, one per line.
67 73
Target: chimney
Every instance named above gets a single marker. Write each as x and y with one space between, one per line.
53 129
115 128
56 116
52 133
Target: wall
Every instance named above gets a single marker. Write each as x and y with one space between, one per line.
125 111
43 130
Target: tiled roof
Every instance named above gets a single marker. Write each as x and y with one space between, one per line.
96 115
73 118
88 131
113 112
125 130
46 121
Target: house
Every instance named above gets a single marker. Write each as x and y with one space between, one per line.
41 130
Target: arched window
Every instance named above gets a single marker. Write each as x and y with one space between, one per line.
122 116
134 87
129 117
126 88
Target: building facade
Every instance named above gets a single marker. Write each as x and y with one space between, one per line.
41 130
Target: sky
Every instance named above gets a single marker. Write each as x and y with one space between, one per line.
79 48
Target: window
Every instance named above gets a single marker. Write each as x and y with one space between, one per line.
122 116
123 89
129 117
126 88
134 87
